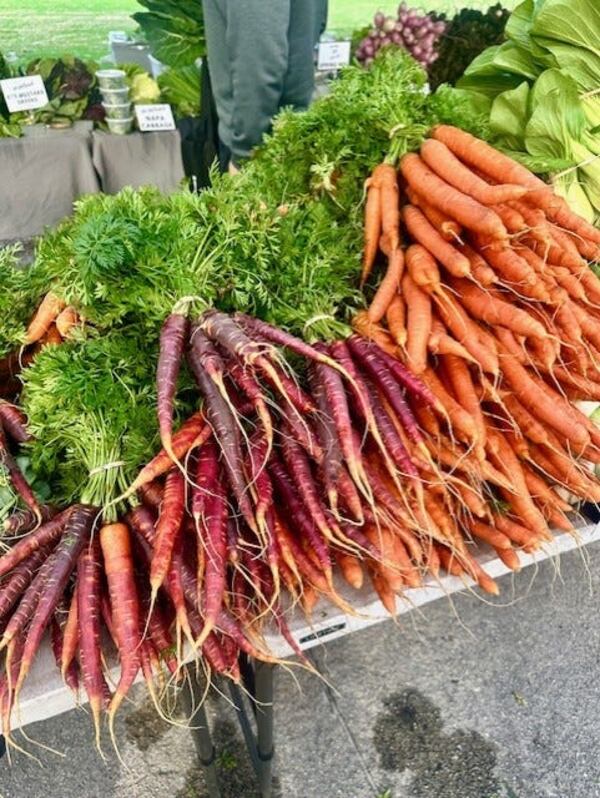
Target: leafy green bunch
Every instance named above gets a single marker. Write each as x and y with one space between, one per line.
540 92
126 259
92 411
174 29
21 291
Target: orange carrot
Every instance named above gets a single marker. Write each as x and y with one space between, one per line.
388 287
460 420
440 343
447 166
448 228
45 316
115 542
425 234
509 557
458 377
52 337
385 178
557 210
468 333
374 332
494 311
396 319
423 268
519 534
418 324
470 213
372 231
489 534
351 569
480 270
66 320
194 432
482 156
70 637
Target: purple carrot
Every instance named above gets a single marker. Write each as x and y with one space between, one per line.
298 467
173 338
331 460
215 544
296 515
56 640
65 557
18 481
362 541
225 331
246 382
28 604
48 533
391 438
366 356
258 457
233 534
20 578
14 421
339 411
205 478
22 521
403 376
349 496
281 338
222 422
89 618
293 393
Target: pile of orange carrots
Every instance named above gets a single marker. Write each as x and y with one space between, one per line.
489 297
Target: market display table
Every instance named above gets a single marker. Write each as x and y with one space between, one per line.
44 694
41 176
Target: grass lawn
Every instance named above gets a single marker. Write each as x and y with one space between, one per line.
52 27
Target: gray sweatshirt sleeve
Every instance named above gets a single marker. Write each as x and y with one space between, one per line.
257 42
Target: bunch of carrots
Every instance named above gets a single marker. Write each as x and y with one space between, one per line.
280 478
51 324
446 418
489 297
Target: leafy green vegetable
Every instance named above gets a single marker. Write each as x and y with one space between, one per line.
91 409
543 86
174 29
181 88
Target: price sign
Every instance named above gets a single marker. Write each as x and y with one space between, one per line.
154 117
24 94
333 56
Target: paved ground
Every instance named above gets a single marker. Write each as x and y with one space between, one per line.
462 700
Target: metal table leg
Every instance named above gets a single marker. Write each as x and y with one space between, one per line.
258 681
263 676
200 732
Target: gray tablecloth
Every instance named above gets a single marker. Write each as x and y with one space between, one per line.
39 180
138 159
42 176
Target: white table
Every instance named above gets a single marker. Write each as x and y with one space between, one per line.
44 694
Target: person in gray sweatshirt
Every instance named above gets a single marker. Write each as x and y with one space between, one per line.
261 59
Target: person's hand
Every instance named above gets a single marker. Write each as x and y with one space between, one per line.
233 170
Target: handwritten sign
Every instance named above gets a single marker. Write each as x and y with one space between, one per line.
333 56
154 117
24 94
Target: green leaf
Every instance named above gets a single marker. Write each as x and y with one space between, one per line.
174 29
181 88
574 22
513 58
558 119
508 117
518 27
579 64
